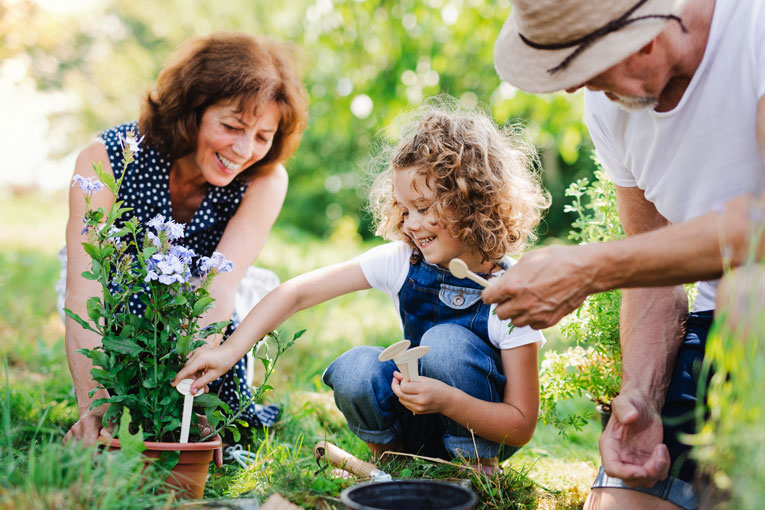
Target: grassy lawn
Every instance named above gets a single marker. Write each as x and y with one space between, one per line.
38 405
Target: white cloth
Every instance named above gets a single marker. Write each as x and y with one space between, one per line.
703 152
385 267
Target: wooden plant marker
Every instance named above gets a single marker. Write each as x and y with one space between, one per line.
459 269
394 350
407 362
184 388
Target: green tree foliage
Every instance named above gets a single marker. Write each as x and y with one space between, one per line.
364 62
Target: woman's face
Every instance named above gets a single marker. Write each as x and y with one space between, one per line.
230 141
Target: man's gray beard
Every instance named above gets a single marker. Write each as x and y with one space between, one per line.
634 103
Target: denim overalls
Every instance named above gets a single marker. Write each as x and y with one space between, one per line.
446 314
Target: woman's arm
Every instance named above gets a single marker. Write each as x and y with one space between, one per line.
78 291
511 421
242 240
290 297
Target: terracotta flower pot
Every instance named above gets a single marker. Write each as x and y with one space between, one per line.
188 477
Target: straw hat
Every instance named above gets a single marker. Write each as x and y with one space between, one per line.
549 45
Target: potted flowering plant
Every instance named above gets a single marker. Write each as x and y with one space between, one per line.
141 353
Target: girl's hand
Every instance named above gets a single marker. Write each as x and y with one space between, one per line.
424 396
205 364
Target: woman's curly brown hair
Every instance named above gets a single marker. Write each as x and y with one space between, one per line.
487 193
225 66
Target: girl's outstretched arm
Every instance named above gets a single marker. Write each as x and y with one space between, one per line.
511 421
297 294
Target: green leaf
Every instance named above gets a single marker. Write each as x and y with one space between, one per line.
100 375
105 177
89 275
298 334
122 345
208 401
92 250
179 300
80 321
172 423
235 433
95 309
202 305
131 444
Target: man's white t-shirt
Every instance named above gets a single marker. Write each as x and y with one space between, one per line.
385 268
703 152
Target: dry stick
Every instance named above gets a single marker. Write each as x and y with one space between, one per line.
429 459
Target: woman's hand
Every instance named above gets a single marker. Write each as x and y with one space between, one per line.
423 396
87 428
206 364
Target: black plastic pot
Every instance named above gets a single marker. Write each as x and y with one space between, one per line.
408 494
604 410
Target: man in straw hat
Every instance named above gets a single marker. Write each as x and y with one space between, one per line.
675 105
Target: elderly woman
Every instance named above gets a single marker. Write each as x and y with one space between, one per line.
226 112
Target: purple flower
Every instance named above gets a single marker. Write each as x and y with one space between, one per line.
85 227
174 230
153 238
130 141
157 223
184 254
115 238
167 269
88 185
217 263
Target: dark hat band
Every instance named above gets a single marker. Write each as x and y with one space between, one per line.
582 43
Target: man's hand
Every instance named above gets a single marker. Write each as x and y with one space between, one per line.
544 286
423 396
87 428
631 446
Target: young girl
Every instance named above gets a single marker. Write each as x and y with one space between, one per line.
455 186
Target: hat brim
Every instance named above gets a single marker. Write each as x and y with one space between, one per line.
527 68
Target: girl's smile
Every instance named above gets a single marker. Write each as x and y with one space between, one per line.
437 244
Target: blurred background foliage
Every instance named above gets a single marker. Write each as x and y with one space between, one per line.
364 62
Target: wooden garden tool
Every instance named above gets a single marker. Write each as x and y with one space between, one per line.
406 360
339 458
459 269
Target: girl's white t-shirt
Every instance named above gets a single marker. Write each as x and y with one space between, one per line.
385 268
694 158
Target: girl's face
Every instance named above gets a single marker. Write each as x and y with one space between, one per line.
437 244
230 141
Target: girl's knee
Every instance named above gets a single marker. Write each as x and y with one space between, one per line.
357 373
451 347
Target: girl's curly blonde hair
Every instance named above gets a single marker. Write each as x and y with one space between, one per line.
487 193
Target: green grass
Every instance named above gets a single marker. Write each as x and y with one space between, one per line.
553 471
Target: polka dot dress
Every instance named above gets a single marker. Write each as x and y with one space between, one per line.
146 189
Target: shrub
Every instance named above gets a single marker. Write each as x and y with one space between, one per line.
591 367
